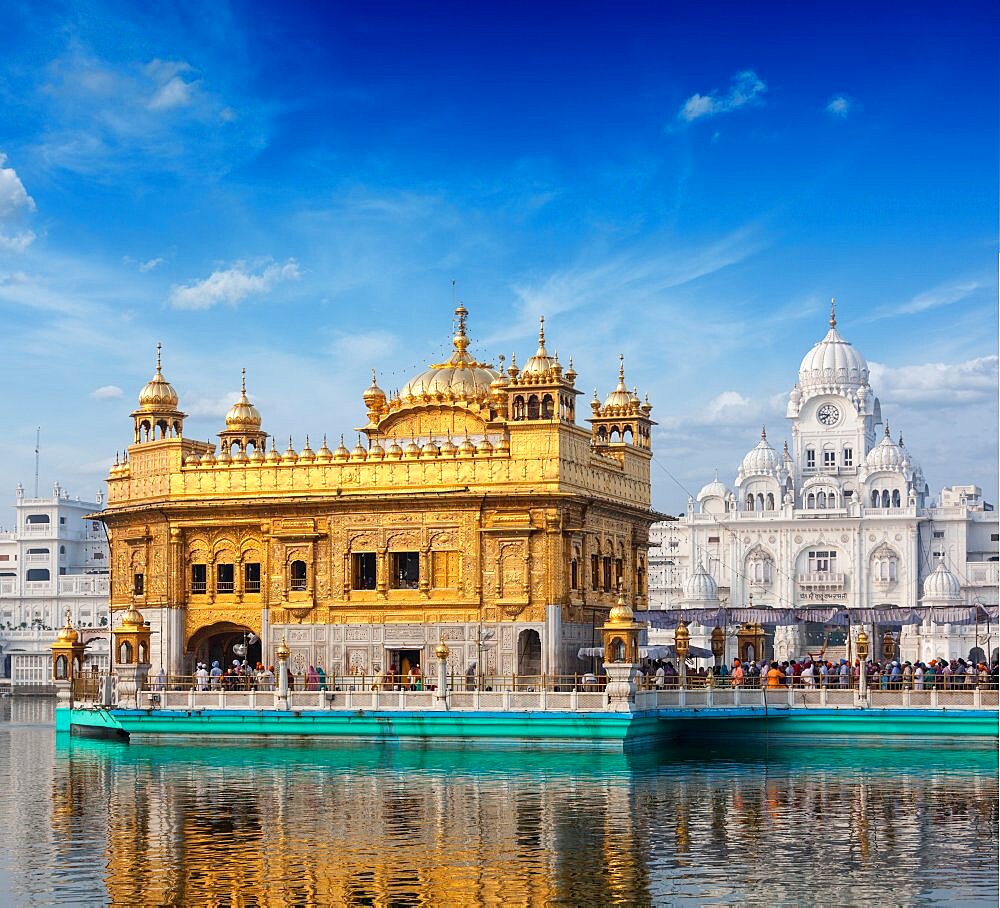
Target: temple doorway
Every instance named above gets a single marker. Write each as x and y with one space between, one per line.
399 662
223 642
529 653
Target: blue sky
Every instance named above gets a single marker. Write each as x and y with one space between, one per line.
293 187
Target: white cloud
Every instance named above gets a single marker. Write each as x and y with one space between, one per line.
231 285
151 264
937 384
13 195
746 88
207 405
17 242
840 106
175 93
106 392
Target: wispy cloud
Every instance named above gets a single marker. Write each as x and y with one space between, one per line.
840 106
945 294
171 90
150 264
231 285
745 89
106 392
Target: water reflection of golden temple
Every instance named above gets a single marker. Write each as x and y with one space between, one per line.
478 503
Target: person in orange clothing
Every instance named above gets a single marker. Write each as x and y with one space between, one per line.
775 677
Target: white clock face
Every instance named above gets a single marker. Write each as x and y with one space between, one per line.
828 414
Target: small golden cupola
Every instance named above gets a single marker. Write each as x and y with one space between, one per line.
374 398
541 390
243 432
157 416
622 420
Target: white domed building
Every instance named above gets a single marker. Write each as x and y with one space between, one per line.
840 517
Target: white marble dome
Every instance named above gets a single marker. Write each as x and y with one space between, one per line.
886 456
761 460
700 587
714 489
833 362
942 584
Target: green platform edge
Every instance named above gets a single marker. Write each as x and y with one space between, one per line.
593 729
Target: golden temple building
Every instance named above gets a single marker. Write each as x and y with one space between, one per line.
477 510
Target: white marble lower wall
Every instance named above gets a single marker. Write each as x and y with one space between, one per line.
366 648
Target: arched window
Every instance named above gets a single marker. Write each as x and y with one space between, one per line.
770 501
885 498
874 498
811 501
518 407
547 411
125 653
62 668
760 501
821 500
617 650
143 652
895 498
533 407
750 502
297 575
810 459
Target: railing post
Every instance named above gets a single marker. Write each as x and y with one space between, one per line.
736 695
977 697
934 696
574 699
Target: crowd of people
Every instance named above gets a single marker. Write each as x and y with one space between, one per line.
809 672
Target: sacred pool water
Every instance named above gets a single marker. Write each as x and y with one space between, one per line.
711 822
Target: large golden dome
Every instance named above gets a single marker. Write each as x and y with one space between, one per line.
243 416
460 378
158 393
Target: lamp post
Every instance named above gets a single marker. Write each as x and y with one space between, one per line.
282 653
441 651
682 643
719 646
888 646
861 647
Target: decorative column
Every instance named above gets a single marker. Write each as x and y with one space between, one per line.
441 651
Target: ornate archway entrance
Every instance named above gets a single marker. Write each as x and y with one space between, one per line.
216 642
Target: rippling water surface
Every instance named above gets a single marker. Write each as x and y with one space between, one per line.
750 822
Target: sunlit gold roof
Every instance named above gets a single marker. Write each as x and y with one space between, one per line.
461 377
132 619
158 393
243 416
67 635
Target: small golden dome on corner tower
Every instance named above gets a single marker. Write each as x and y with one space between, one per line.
132 619
158 393
67 634
243 416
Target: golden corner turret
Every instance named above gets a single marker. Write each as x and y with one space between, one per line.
472 498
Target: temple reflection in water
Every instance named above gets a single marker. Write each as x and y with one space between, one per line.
322 826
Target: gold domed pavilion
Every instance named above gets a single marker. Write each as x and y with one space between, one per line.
472 502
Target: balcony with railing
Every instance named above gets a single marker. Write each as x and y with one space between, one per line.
38 558
983 573
84 585
825 581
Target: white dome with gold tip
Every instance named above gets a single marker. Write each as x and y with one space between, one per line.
462 377
832 363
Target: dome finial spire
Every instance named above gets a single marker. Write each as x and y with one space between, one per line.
541 331
833 312
763 433
158 346
621 368
243 380
887 428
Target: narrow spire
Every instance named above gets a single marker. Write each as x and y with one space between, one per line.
158 346
501 358
763 433
243 382
373 378
621 368
541 331
307 439
887 428
833 312
901 439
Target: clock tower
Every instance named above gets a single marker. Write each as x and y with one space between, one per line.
834 413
